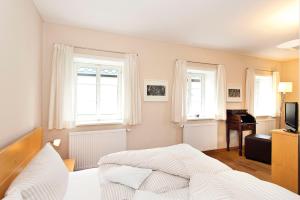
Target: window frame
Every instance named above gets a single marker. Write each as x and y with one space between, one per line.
201 77
120 94
209 89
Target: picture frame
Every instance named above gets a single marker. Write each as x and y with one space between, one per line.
234 93
155 90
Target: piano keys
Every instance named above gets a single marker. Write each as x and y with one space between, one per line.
239 120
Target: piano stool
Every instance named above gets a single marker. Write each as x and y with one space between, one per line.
258 147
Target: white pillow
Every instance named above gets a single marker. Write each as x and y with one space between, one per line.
44 178
130 176
13 195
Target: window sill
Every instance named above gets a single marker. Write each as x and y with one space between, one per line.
94 123
264 116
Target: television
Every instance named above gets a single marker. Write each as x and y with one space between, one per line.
291 116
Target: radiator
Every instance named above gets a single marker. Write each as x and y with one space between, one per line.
202 136
264 126
88 147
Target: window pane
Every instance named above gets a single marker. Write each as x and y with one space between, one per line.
108 97
86 91
263 100
109 92
195 95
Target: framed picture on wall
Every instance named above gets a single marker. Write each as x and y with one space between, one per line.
155 90
234 94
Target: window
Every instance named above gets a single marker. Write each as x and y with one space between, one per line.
263 96
99 95
201 92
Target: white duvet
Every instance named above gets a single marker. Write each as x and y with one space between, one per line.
181 172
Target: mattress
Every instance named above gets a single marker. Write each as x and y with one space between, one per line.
84 184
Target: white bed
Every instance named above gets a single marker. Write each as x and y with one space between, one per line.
177 172
84 184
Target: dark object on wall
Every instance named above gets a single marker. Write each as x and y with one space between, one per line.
156 90
234 92
239 120
258 147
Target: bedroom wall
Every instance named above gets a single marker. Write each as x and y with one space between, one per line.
290 72
156 62
20 69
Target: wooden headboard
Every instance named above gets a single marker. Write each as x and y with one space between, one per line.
15 157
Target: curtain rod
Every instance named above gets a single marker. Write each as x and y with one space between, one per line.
92 49
200 62
264 70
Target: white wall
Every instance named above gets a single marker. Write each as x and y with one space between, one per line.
20 69
290 73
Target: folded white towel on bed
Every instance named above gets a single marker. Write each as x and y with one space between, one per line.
130 176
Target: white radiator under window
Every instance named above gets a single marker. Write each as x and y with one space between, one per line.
202 136
88 147
264 126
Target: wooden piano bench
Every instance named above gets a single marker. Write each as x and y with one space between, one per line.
258 147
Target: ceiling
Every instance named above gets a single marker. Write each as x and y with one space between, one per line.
250 27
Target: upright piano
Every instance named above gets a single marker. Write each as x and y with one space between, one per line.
239 120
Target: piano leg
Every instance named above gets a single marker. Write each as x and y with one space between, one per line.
228 138
240 133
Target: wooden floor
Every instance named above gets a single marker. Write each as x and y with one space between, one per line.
232 159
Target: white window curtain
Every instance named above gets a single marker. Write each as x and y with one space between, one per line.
276 80
179 92
250 81
221 93
62 105
132 93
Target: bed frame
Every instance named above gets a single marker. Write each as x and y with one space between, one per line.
15 157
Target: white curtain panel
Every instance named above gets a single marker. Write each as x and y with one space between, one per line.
62 106
276 80
250 81
179 92
132 93
221 93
